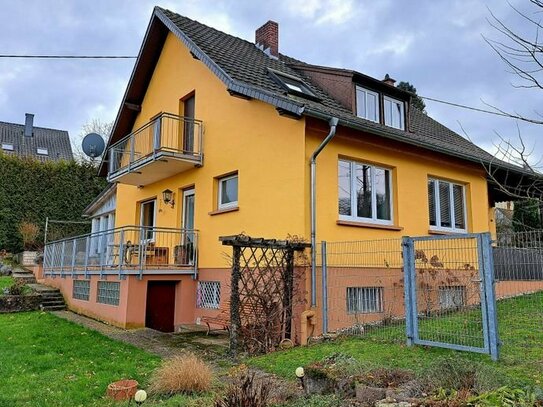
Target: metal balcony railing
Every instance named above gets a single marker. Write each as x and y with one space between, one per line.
127 250
165 136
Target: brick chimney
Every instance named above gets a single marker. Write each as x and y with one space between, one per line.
29 124
388 80
267 38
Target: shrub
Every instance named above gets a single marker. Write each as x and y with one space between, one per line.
246 391
181 374
461 374
29 233
17 288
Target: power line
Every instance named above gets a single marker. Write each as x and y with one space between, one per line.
67 56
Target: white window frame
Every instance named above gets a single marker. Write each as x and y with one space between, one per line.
232 204
437 202
354 207
377 110
7 146
402 112
215 287
42 151
152 239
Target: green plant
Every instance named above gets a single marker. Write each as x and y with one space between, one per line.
181 374
505 396
246 391
17 288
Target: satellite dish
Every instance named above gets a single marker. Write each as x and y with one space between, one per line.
93 145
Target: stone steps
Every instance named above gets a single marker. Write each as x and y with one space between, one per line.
25 276
52 299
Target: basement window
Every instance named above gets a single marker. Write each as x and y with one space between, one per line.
108 292
42 151
7 146
364 300
208 294
81 290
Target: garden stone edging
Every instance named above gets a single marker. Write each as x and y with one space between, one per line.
19 303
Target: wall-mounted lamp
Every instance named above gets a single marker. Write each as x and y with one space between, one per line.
168 198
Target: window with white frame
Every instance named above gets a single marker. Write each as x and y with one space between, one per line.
364 300
365 193
228 192
447 206
42 151
81 290
394 113
367 104
7 146
208 294
108 292
452 296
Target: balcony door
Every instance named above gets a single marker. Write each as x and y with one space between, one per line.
188 106
188 226
147 220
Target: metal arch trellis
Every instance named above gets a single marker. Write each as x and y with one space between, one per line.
263 292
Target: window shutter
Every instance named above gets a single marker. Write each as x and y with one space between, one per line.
445 204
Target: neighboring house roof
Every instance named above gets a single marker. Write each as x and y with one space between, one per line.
244 69
55 142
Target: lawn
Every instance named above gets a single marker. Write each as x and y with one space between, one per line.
520 325
5 281
47 361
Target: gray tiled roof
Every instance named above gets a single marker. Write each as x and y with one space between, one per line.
244 63
57 142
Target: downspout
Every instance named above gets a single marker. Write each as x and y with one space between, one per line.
332 122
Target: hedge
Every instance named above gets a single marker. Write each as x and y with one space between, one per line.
32 190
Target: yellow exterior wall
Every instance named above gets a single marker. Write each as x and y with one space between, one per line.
271 154
248 136
411 168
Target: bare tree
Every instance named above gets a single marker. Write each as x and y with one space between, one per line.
522 52
98 126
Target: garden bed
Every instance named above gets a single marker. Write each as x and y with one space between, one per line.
19 303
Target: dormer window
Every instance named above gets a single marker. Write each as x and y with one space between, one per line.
42 151
7 146
394 113
367 104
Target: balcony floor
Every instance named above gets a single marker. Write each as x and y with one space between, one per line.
154 167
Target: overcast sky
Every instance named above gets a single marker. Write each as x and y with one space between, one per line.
435 45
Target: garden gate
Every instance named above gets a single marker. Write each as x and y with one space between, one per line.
449 292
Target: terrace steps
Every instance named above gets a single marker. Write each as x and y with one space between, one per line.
52 299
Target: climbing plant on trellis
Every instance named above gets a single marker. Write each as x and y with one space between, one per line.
265 287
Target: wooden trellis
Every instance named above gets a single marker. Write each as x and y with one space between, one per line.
264 289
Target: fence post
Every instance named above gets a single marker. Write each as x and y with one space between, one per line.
87 249
408 273
62 259
324 278
490 296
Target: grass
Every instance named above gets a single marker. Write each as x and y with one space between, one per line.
5 281
47 361
521 360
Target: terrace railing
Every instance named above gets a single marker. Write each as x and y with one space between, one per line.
129 250
165 136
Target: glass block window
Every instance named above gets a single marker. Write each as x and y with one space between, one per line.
452 296
208 294
108 292
81 290
364 300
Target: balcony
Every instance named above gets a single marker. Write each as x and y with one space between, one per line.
167 145
129 250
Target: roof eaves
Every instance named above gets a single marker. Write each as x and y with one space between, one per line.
357 125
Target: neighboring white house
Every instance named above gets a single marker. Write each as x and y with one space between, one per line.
101 212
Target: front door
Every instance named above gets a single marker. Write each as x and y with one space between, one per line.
160 305
188 225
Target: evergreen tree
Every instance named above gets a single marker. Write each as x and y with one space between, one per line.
416 99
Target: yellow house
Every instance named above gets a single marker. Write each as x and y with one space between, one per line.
217 136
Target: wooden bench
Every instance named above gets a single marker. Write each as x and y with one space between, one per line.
223 317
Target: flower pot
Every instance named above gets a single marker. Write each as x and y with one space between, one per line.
122 390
